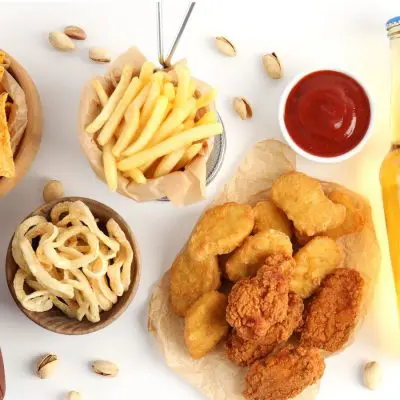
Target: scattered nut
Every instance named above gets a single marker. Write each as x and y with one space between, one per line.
61 41
242 108
225 46
372 375
75 32
99 55
105 368
46 366
74 396
53 190
273 66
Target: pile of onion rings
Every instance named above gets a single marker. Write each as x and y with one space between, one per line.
70 263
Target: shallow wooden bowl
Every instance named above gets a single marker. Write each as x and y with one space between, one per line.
30 141
56 321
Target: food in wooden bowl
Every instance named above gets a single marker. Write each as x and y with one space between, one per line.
20 122
72 266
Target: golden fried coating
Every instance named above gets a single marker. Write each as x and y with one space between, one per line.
190 279
256 304
301 239
249 257
285 263
304 202
314 261
332 313
355 215
205 324
244 352
284 375
268 216
221 230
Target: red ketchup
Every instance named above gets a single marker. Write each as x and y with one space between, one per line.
327 113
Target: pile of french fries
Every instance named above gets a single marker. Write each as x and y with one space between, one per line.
152 124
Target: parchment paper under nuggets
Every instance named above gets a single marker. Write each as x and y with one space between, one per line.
205 323
268 216
304 202
250 256
314 261
190 279
7 167
221 230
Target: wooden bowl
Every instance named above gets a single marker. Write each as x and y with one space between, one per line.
56 321
30 141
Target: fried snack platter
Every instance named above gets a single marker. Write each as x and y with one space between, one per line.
213 374
148 133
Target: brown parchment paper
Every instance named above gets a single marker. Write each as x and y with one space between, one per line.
215 376
19 118
181 187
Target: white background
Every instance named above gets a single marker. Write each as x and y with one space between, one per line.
306 34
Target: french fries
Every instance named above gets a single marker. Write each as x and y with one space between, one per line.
152 124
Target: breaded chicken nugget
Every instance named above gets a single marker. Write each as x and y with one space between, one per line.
304 202
244 352
331 315
285 263
268 216
250 256
220 230
285 374
190 279
355 215
319 257
205 324
256 304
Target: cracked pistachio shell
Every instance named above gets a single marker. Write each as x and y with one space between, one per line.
242 108
273 66
225 46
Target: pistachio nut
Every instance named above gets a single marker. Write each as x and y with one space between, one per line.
225 46
273 66
372 375
53 190
105 368
242 108
99 55
75 32
46 366
74 396
61 41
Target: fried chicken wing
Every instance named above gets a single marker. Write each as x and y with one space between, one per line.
314 261
331 315
250 256
304 202
221 230
190 279
256 304
285 374
268 216
205 324
244 352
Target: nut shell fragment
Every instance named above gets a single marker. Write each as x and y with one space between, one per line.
99 55
74 396
372 375
273 66
53 190
242 108
75 32
61 41
46 366
225 46
105 368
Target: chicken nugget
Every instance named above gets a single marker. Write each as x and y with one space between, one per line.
268 216
244 352
285 263
221 230
331 315
190 279
355 215
248 258
285 374
314 261
205 324
304 202
256 304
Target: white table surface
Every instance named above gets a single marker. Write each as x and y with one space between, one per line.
306 34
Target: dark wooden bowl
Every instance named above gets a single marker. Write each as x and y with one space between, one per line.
30 141
56 321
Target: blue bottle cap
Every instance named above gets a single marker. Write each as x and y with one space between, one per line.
393 22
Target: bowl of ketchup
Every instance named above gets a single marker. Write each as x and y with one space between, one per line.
326 115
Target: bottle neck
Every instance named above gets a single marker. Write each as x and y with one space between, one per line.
395 93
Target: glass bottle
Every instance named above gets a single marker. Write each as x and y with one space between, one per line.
390 168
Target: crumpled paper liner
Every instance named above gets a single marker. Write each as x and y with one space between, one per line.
214 375
181 187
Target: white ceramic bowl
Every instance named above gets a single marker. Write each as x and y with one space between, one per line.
305 154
